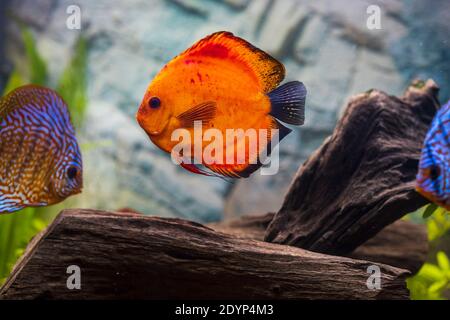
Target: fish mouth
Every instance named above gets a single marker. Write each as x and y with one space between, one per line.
146 125
431 197
75 192
57 197
153 133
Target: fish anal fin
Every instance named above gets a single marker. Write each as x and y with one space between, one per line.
195 169
227 171
245 170
224 45
192 168
282 133
204 112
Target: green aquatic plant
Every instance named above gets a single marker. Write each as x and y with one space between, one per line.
17 229
419 84
37 66
72 84
433 279
430 209
15 81
438 224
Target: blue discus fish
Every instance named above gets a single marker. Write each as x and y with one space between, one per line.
433 179
40 161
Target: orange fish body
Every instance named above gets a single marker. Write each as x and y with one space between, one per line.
224 82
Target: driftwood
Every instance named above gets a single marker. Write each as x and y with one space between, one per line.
246 227
362 178
402 244
129 256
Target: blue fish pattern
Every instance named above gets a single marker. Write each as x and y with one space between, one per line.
433 178
40 160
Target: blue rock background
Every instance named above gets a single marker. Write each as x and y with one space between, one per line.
325 44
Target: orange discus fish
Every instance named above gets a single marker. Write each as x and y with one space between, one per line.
224 83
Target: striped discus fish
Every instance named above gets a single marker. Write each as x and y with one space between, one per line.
433 179
40 161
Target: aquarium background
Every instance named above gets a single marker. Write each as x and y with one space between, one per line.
324 43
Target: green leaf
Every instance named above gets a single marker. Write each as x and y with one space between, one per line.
39 225
443 261
432 280
87 146
438 224
72 85
16 232
37 66
431 272
15 80
437 287
430 210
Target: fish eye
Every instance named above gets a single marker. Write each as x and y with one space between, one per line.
154 102
72 172
434 172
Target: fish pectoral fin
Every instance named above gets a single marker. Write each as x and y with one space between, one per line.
10 206
204 112
37 204
288 103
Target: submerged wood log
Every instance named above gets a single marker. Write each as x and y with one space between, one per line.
402 244
129 256
246 227
362 178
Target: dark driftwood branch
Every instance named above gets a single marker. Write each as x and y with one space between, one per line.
402 244
362 178
246 227
125 256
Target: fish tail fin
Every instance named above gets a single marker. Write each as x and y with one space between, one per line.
288 102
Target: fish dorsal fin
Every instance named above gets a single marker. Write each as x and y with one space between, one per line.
25 95
224 45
